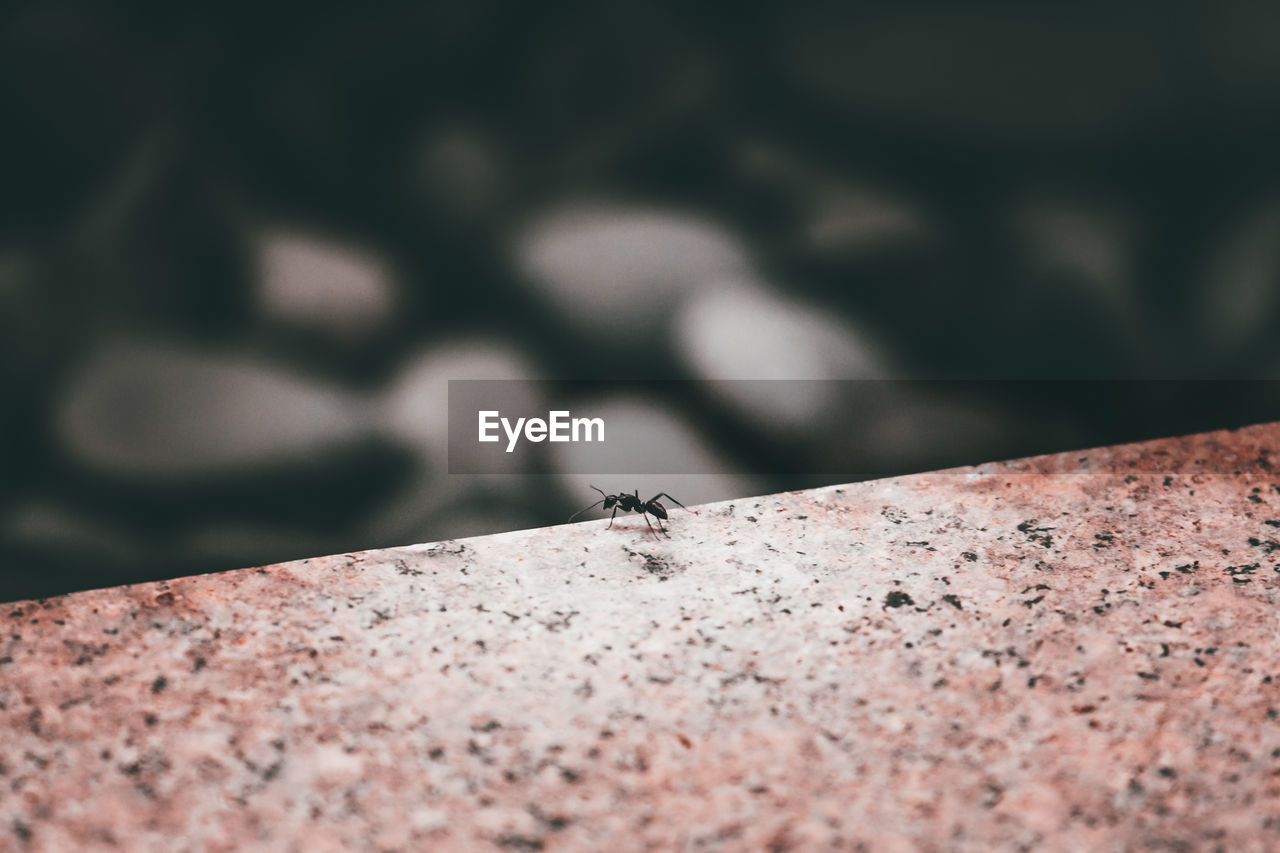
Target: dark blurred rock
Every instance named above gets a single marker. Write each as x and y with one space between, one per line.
75 93
49 546
161 244
1243 66
1001 72
460 176
1074 309
67 533
831 212
607 84
1236 304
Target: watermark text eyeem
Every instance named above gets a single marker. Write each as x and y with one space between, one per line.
559 426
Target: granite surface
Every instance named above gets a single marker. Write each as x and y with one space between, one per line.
1076 652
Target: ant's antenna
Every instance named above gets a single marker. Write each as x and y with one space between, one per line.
593 506
584 509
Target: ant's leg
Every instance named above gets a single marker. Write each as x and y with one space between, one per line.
645 516
612 517
673 500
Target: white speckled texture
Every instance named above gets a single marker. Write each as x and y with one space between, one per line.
1068 653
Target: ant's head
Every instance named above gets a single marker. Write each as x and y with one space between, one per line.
609 500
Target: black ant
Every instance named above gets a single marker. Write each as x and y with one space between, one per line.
632 503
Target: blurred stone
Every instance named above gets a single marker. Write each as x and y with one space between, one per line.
1004 72
659 437
163 411
309 282
1237 303
738 330
415 407
618 271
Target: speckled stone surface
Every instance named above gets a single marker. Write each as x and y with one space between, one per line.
1076 652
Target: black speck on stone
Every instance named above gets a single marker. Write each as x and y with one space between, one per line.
954 601
1167 772
897 599
159 684
893 515
1149 676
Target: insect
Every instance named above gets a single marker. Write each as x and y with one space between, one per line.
632 503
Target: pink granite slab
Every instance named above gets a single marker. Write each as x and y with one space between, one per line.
1077 652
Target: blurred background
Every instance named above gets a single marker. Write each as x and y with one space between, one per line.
242 251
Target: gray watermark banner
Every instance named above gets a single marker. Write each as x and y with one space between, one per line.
829 428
